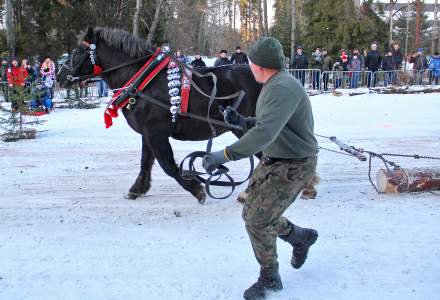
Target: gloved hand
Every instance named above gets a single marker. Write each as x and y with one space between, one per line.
212 160
232 117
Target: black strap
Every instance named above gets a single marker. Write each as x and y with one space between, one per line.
120 66
214 178
191 172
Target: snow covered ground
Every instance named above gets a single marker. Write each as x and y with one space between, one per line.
66 232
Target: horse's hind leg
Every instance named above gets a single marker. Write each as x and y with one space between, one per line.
164 155
143 181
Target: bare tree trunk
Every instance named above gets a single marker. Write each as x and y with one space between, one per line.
435 28
292 31
406 35
418 33
10 31
261 30
266 22
118 13
391 22
230 13
235 10
254 21
155 21
136 18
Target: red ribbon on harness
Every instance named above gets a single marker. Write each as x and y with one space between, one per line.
185 90
112 110
97 70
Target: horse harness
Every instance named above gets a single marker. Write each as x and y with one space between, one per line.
178 75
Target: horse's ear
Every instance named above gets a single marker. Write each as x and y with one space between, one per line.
90 35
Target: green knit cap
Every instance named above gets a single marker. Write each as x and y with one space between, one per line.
267 52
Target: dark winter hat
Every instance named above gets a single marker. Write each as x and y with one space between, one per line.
267 52
238 48
223 51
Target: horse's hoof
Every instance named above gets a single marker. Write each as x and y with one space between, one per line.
133 196
201 196
242 197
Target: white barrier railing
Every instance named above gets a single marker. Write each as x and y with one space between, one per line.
345 79
309 78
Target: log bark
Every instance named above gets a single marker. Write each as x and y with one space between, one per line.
401 180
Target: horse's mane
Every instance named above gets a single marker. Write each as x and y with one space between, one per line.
124 41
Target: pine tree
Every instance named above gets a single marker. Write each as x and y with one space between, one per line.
329 24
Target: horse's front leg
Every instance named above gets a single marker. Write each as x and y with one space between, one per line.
164 155
143 181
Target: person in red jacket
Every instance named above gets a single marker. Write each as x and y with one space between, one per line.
16 75
16 80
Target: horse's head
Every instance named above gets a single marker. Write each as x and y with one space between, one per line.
81 63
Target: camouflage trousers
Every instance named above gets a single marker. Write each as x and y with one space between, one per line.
272 189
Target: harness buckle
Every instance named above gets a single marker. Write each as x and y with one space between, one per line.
131 102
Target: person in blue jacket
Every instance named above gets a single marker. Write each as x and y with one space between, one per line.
434 69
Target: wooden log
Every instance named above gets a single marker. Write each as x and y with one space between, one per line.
401 180
28 133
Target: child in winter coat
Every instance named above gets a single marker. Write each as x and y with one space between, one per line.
434 69
338 74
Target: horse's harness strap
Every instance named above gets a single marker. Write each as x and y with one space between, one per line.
136 84
231 96
188 114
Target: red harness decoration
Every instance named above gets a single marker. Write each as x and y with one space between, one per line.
112 109
97 70
186 88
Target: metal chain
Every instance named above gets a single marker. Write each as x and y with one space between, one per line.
415 156
387 163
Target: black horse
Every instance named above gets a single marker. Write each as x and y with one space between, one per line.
115 47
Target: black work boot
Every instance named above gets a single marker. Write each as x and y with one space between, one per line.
269 280
301 239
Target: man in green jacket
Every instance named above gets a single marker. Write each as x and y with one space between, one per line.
283 131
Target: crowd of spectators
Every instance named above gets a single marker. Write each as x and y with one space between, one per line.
352 63
346 64
34 80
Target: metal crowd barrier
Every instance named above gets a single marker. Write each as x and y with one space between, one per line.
309 78
424 77
393 78
433 79
90 90
332 80
404 78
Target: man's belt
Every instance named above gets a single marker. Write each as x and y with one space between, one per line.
272 160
